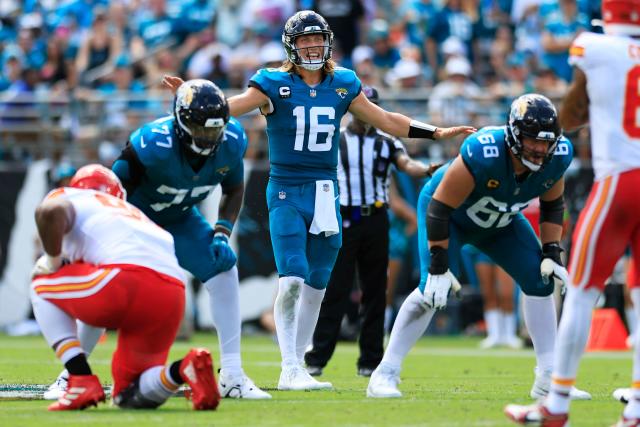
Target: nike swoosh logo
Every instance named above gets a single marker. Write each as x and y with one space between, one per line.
469 151
142 143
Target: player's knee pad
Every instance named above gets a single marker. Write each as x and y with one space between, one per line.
537 289
295 265
132 398
319 278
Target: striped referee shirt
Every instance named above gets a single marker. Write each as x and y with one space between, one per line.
364 166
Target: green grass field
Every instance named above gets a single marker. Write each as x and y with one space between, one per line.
445 381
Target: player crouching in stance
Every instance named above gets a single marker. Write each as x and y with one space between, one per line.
477 199
123 275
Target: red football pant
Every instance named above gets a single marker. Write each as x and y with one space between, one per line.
145 306
608 224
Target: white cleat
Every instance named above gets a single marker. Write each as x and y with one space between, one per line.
512 342
384 383
489 342
240 387
542 385
622 395
297 378
58 388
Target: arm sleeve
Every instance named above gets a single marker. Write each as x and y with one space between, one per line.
129 169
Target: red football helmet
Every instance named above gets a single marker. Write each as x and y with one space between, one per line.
621 17
97 177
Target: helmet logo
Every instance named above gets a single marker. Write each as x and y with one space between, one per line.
521 107
185 96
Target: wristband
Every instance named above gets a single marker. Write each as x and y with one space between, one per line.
421 130
223 226
439 260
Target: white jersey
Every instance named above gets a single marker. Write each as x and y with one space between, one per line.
612 67
108 230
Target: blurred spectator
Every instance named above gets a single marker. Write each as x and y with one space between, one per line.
155 28
558 34
385 53
101 47
454 99
417 17
211 60
406 74
362 62
346 20
123 96
514 82
451 20
273 13
547 82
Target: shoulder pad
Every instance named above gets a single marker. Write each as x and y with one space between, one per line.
153 142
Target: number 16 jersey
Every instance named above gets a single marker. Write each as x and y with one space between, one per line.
303 122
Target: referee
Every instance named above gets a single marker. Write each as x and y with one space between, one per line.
366 157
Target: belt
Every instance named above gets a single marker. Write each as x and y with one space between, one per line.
363 210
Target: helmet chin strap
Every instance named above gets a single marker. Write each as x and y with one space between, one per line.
312 66
200 151
533 167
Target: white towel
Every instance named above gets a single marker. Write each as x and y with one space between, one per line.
324 216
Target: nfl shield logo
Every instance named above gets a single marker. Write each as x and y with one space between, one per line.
282 195
312 93
325 187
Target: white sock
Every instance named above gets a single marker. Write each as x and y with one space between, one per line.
388 315
573 333
286 317
632 410
412 320
89 336
508 321
541 320
225 309
492 319
632 320
308 312
55 324
156 384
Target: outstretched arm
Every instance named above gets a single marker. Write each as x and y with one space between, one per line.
575 107
415 168
400 125
240 104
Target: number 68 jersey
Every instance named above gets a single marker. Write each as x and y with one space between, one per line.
303 122
612 67
497 195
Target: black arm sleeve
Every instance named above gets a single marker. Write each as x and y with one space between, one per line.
132 171
438 215
552 211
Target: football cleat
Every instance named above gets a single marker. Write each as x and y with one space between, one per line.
622 395
197 370
489 342
240 387
384 382
59 386
542 385
627 422
296 377
535 415
82 391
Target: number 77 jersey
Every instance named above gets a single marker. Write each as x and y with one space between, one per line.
612 67
303 122
498 196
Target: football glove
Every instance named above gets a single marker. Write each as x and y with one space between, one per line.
438 287
223 256
552 267
46 264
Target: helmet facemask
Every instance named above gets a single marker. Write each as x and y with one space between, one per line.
308 57
305 23
534 117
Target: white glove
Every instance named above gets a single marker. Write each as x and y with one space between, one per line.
437 289
551 270
46 264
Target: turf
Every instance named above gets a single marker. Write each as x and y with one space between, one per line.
445 381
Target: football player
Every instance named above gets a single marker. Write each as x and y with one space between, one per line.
304 101
476 199
605 93
122 274
170 165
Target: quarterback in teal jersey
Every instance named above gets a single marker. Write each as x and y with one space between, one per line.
167 168
477 198
304 101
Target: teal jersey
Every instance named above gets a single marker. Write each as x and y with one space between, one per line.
303 124
170 187
497 195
